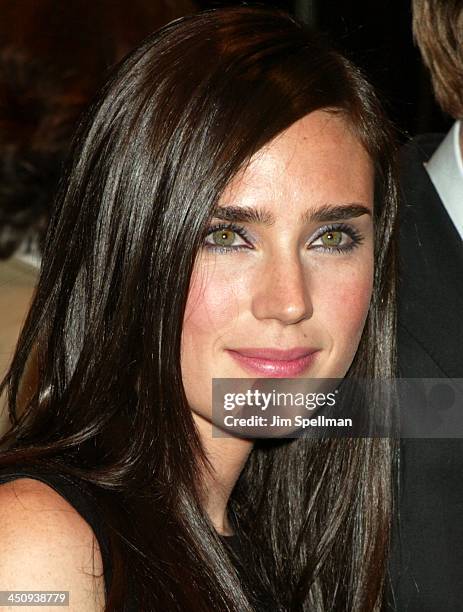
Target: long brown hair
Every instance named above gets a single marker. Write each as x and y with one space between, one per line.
175 122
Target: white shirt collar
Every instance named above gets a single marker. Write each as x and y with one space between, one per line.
445 169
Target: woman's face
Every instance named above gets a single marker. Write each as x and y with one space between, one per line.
287 265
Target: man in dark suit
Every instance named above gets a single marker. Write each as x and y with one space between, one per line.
427 552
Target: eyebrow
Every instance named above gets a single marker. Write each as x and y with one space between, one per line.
261 216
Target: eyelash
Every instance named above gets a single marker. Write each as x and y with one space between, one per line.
353 234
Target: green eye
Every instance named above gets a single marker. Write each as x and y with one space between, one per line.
331 238
223 237
226 238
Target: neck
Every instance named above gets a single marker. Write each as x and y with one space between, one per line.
227 457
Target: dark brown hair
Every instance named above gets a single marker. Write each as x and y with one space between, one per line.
438 30
172 126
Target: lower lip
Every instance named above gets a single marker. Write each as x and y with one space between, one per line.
273 368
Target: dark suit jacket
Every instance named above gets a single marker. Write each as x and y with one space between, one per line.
427 555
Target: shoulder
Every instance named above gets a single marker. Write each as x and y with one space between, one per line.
47 545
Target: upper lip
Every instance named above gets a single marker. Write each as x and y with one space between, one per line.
275 354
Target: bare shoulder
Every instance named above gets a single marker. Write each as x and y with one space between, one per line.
46 545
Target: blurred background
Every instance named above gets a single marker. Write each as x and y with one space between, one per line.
377 36
54 54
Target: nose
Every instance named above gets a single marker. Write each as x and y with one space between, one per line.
283 291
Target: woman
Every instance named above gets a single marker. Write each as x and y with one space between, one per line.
219 201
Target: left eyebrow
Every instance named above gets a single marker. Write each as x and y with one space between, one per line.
261 216
334 213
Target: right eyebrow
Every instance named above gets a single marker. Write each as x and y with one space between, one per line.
244 214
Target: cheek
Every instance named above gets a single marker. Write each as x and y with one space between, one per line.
343 307
356 302
211 311
212 306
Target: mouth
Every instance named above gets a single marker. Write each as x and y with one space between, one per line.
275 363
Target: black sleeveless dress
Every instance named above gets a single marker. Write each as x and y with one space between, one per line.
82 500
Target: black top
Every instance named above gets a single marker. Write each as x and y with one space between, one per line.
82 499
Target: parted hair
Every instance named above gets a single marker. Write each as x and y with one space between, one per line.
438 31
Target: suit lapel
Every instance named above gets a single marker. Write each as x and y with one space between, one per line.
431 272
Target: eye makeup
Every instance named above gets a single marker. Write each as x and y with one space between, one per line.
354 238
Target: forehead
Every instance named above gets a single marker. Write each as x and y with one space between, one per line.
318 160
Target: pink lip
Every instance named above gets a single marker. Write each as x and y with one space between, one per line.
275 363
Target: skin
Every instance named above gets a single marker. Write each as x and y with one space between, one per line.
285 289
